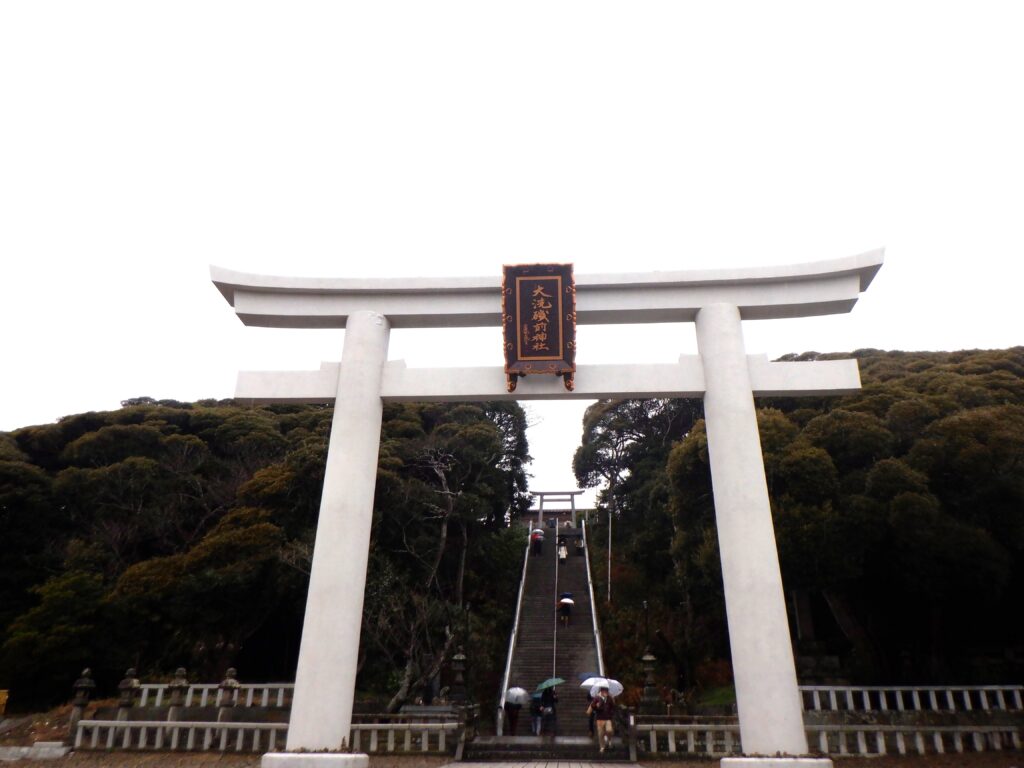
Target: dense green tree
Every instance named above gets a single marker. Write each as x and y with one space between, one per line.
443 484
899 509
30 521
199 603
169 533
51 642
625 445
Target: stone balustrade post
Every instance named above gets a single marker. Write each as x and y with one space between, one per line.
229 688
83 689
178 688
127 691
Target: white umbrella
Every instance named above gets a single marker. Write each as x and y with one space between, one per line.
595 684
567 601
517 695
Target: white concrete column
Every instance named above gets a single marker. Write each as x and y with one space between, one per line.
325 680
771 720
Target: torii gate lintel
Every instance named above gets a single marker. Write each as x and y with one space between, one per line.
683 379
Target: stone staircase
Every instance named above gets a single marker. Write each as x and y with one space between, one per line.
544 648
525 749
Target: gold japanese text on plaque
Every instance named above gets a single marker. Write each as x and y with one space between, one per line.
538 318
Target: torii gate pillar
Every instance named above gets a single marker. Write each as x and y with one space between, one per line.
763 668
768 699
325 679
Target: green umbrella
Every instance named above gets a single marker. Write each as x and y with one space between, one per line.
551 682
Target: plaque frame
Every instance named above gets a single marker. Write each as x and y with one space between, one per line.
538 321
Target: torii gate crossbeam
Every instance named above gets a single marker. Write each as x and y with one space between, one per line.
770 711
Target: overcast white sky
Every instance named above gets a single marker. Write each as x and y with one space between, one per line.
141 142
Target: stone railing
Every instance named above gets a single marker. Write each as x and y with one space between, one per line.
916 698
210 694
430 738
190 736
409 737
660 739
719 739
669 739
922 740
466 714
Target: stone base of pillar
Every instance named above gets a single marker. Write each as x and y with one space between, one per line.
776 762
316 760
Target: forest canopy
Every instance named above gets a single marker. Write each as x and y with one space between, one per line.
170 534
166 534
899 519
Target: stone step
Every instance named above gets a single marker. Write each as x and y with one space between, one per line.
533 660
533 748
539 755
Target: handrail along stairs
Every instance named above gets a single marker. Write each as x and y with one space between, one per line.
499 718
593 604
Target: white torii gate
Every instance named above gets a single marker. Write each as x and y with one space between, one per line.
768 700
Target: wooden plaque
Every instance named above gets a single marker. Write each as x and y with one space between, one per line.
538 309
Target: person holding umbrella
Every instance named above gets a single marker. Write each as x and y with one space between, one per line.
514 700
596 683
593 685
564 608
548 702
537 541
603 709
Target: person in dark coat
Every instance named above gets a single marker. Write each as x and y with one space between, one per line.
512 715
549 710
564 612
590 716
603 708
536 714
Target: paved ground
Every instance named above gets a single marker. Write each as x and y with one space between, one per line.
167 760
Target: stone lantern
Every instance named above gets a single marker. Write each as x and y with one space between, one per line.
229 688
127 690
83 689
178 687
458 691
650 704
228 697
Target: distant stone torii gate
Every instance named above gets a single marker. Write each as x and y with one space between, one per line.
768 700
564 497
